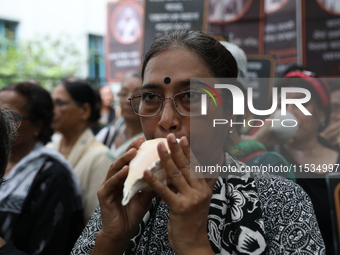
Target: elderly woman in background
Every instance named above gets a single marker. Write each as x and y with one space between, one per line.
40 203
75 108
119 135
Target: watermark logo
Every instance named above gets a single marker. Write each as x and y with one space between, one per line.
207 88
239 103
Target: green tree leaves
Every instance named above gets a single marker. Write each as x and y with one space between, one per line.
45 60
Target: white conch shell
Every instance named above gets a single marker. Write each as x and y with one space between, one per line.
146 159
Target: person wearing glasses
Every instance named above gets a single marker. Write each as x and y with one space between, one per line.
127 127
75 110
40 197
237 212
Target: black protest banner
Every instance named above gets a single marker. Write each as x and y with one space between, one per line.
165 15
321 30
281 37
261 70
124 35
239 21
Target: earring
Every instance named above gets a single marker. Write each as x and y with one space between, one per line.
230 131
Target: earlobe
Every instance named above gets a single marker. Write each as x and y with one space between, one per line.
86 111
39 126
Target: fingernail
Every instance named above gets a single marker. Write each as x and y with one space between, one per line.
147 174
172 138
162 147
185 141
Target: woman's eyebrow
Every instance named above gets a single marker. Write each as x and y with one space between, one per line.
150 86
184 83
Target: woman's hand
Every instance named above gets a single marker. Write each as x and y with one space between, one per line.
188 201
332 133
265 136
119 222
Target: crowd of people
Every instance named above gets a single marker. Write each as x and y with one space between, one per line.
65 156
40 210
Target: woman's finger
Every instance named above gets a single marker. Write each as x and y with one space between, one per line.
113 186
136 143
191 175
163 191
174 174
121 162
144 199
332 131
178 154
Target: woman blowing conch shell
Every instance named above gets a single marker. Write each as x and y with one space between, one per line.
225 214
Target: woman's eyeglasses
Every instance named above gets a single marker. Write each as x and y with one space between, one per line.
149 104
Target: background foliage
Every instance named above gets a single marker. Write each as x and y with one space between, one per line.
45 60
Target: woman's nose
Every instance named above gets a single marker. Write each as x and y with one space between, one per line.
169 117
